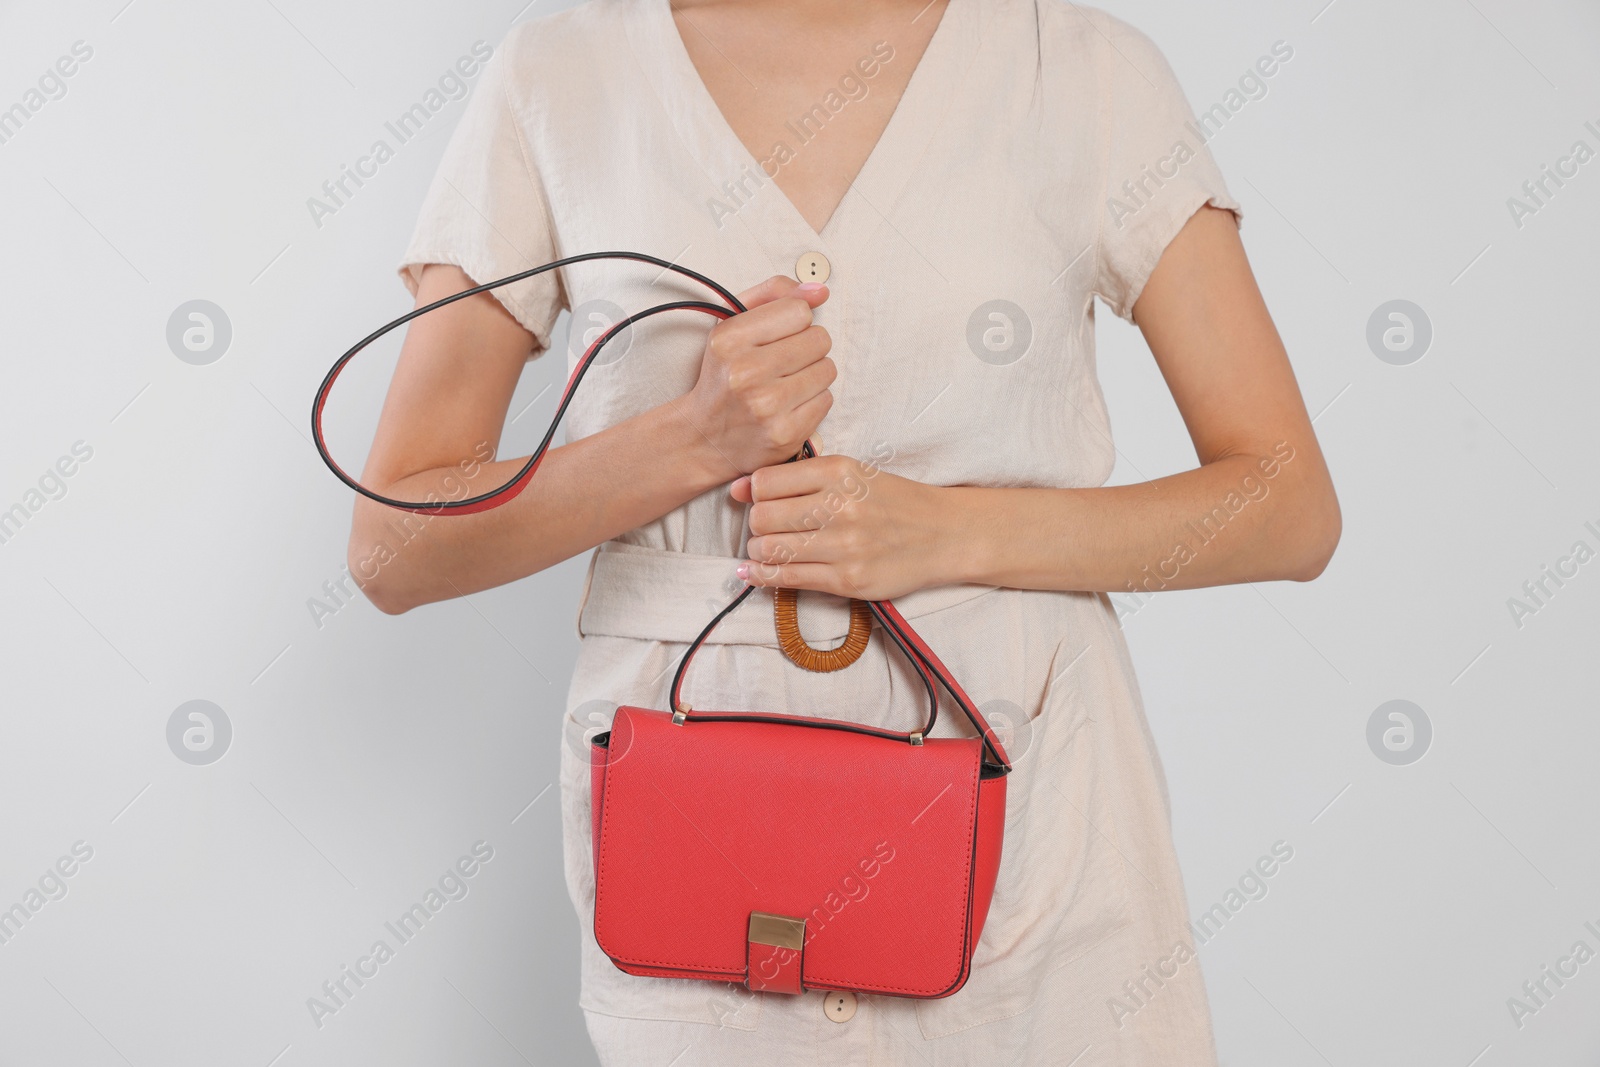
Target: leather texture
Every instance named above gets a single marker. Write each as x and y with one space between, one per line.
887 850
774 969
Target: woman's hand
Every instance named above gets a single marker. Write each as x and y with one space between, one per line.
840 526
764 378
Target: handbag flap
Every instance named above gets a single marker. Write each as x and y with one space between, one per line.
869 840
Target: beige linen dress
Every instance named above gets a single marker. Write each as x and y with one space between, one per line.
1041 156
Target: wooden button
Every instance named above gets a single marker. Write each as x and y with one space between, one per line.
813 267
839 1005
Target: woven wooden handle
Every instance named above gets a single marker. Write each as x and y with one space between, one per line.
800 653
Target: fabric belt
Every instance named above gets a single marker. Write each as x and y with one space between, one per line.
658 595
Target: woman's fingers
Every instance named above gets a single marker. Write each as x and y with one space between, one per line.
840 473
803 547
791 353
811 412
774 321
780 286
759 368
804 383
821 577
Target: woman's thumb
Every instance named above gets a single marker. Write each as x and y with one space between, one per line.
779 286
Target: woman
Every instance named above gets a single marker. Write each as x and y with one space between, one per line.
934 194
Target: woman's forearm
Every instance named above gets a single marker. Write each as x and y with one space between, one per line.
762 388
1260 506
845 527
584 493
1240 518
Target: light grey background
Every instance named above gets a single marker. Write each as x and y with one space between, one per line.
368 753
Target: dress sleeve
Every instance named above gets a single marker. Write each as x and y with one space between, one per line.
1159 170
486 210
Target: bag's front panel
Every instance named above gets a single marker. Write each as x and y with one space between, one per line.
868 840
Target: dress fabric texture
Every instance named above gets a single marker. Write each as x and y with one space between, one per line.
1042 155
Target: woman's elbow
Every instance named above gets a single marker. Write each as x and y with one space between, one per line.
386 600
1320 528
376 584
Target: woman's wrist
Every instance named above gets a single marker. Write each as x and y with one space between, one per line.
1006 537
700 464
965 545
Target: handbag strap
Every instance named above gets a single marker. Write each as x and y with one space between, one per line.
519 481
928 665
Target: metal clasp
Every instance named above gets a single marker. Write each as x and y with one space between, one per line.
778 931
773 952
916 737
680 714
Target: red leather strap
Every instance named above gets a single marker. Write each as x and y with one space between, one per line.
504 493
886 610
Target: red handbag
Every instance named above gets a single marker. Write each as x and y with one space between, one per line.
787 852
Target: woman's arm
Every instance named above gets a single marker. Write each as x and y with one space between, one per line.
763 387
1259 507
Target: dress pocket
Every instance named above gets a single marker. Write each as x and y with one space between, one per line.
1063 884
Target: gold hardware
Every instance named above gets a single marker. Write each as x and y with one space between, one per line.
680 714
778 930
916 738
787 621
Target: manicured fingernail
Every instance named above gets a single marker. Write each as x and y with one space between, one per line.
809 287
742 570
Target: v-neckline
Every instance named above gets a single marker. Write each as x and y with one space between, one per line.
717 147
